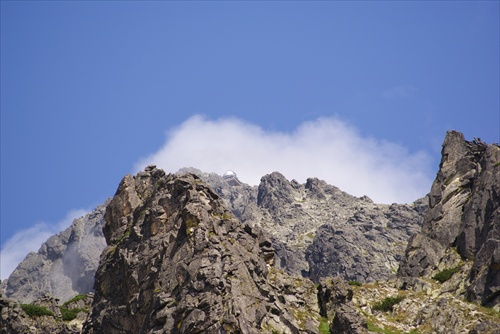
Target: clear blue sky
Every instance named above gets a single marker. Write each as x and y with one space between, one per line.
90 88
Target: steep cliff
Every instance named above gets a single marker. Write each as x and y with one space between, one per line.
178 262
461 228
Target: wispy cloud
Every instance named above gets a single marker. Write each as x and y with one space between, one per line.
400 92
327 148
15 249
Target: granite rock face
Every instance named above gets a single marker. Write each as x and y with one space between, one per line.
177 261
462 224
317 230
367 247
320 231
65 265
335 302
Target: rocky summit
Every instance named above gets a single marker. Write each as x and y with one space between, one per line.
461 228
194 252
179 262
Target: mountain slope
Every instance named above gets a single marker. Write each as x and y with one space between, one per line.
66 263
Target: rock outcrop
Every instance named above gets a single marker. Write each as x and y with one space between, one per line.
43 315
424 308
367 247
317 230
321 231
65 265
461 228
177 261
335 302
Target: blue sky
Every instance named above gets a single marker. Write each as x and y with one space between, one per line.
91 91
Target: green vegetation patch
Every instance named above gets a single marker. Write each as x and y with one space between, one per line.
75 299
125 234
375 329
324 327
446 274
355 283
191 222
388 303
70 314
36 310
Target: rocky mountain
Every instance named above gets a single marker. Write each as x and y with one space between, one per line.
178 261
461 228
65 265
201 253
318 230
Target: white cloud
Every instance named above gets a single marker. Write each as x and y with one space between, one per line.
326 148
398 92
15 249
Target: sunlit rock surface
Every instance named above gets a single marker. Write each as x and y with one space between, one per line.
462 225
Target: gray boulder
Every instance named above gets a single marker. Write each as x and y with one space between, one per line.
335 304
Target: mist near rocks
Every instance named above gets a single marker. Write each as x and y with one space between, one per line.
15 249
65 263
327 148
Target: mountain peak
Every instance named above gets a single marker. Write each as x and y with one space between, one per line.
184 264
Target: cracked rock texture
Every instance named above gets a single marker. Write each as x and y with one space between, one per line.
335 302
462 223
318 230
178 262
14 320
426 307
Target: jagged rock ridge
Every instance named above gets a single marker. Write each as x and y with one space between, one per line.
318 230
178 262
176 256
462 226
